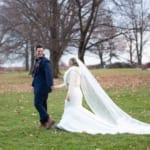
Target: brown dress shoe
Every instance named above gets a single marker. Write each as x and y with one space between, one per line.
42 125
49 123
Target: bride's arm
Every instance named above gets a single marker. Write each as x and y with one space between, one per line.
59 86
65 81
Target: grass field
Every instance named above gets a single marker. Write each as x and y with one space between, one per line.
129 88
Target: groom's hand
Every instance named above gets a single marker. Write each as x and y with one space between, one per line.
32 89
53 87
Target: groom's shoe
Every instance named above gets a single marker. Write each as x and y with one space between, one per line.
49 123
42 125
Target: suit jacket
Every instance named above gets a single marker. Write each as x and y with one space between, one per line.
42 76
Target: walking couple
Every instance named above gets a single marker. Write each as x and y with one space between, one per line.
105 116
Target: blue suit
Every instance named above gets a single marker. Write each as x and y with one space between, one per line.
42 82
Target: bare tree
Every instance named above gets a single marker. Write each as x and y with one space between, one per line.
61 29
87 14
14 41
48 22
130 42
135 13
105 37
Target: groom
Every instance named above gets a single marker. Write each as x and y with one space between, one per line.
42 84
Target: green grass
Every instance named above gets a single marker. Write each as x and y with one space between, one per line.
19 119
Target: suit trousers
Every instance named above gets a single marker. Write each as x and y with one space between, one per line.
40 103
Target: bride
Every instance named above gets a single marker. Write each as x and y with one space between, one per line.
105 116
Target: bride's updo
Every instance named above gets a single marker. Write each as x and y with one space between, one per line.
73 62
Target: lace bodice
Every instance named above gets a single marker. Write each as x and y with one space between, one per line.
71 78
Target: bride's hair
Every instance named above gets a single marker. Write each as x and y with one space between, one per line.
73 62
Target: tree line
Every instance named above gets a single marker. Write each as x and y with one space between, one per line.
104 27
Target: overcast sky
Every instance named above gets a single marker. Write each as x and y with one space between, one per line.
93 59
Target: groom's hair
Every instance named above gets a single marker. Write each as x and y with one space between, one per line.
74 62
39 46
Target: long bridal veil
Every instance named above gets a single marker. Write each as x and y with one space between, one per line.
104 107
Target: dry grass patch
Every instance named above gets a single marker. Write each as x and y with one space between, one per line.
110 78
117 81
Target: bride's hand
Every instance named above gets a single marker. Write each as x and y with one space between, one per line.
68 98
54 87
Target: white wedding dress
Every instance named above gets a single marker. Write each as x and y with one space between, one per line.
105 116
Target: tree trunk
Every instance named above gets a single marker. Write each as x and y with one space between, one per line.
81 54
32 59
131 52
55 64
141 47
26 59
101 56
110 56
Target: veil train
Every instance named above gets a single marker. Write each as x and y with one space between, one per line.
104 107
